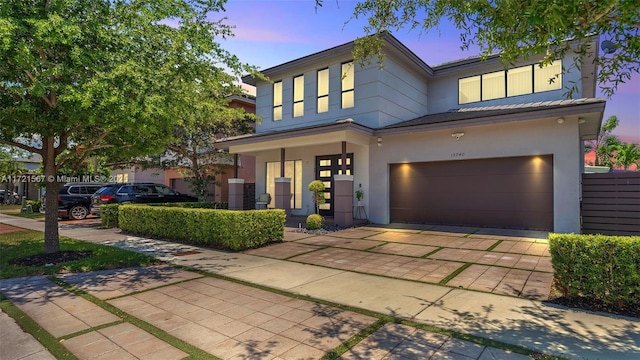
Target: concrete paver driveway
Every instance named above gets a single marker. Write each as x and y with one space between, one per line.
507 262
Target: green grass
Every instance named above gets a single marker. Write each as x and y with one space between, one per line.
21 244
25 322
33 215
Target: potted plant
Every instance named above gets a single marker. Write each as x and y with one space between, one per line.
359 196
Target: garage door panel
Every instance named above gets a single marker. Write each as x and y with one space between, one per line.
505 192
532 201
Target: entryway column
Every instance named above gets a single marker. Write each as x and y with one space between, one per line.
236 194
283 194
343 200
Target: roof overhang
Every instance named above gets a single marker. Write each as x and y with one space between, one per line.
589 115
392 47
312 135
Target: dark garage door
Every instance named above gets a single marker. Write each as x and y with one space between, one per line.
514 192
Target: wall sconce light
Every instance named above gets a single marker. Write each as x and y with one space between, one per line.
457 135
560 120
379 141
581 121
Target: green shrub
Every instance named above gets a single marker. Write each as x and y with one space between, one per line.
234 230
604 269
109 215
35 205
314 222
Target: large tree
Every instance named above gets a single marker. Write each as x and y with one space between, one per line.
519 29
80 78
206 117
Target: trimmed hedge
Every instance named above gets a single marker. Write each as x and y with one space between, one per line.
109 215
234 230
601 268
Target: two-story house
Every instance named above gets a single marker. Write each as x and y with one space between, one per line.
463 143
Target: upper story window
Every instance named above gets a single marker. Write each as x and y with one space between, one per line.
547 78
493 85
298 96
347 85
513 82
277 100
323 90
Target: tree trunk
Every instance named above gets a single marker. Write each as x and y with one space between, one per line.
51 236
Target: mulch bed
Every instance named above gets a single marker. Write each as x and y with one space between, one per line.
555 297
55 258
4 228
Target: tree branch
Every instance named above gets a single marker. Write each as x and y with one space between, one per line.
28 148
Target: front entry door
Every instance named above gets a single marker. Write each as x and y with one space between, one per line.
326 167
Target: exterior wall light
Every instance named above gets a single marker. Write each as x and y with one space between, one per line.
457 135
379 141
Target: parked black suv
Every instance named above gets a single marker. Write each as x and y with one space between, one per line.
74 200
143 193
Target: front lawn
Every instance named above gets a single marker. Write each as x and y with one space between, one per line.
16 246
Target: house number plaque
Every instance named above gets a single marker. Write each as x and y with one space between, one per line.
457 155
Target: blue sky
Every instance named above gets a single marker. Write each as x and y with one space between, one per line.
271 32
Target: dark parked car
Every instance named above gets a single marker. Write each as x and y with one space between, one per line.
139 193
11 197
74 200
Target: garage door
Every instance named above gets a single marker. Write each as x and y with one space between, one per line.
514 192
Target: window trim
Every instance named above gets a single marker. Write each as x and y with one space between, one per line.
301 101
351 90
275 105
321 96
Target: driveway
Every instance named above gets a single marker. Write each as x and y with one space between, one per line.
507 262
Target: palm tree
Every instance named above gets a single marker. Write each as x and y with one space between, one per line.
627 155
605 144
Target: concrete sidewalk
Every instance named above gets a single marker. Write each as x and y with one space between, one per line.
528 323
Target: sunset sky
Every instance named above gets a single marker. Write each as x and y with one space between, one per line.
269 33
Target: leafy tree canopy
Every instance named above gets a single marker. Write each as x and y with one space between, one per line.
518 29
206 118
99 77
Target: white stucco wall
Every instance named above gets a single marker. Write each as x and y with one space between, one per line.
534 137
382 96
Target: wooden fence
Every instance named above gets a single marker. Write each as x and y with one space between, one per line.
611 203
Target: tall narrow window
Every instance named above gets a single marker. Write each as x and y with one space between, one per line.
347 85
323 90
293 170
493 85
519 81
277 100
547 78
298 96
469 90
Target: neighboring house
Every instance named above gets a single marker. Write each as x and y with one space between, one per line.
175 178
27 188
462 143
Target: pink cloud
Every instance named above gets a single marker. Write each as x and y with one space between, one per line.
254 34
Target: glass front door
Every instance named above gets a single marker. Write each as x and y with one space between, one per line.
326 167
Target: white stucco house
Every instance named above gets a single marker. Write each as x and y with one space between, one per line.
462 143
